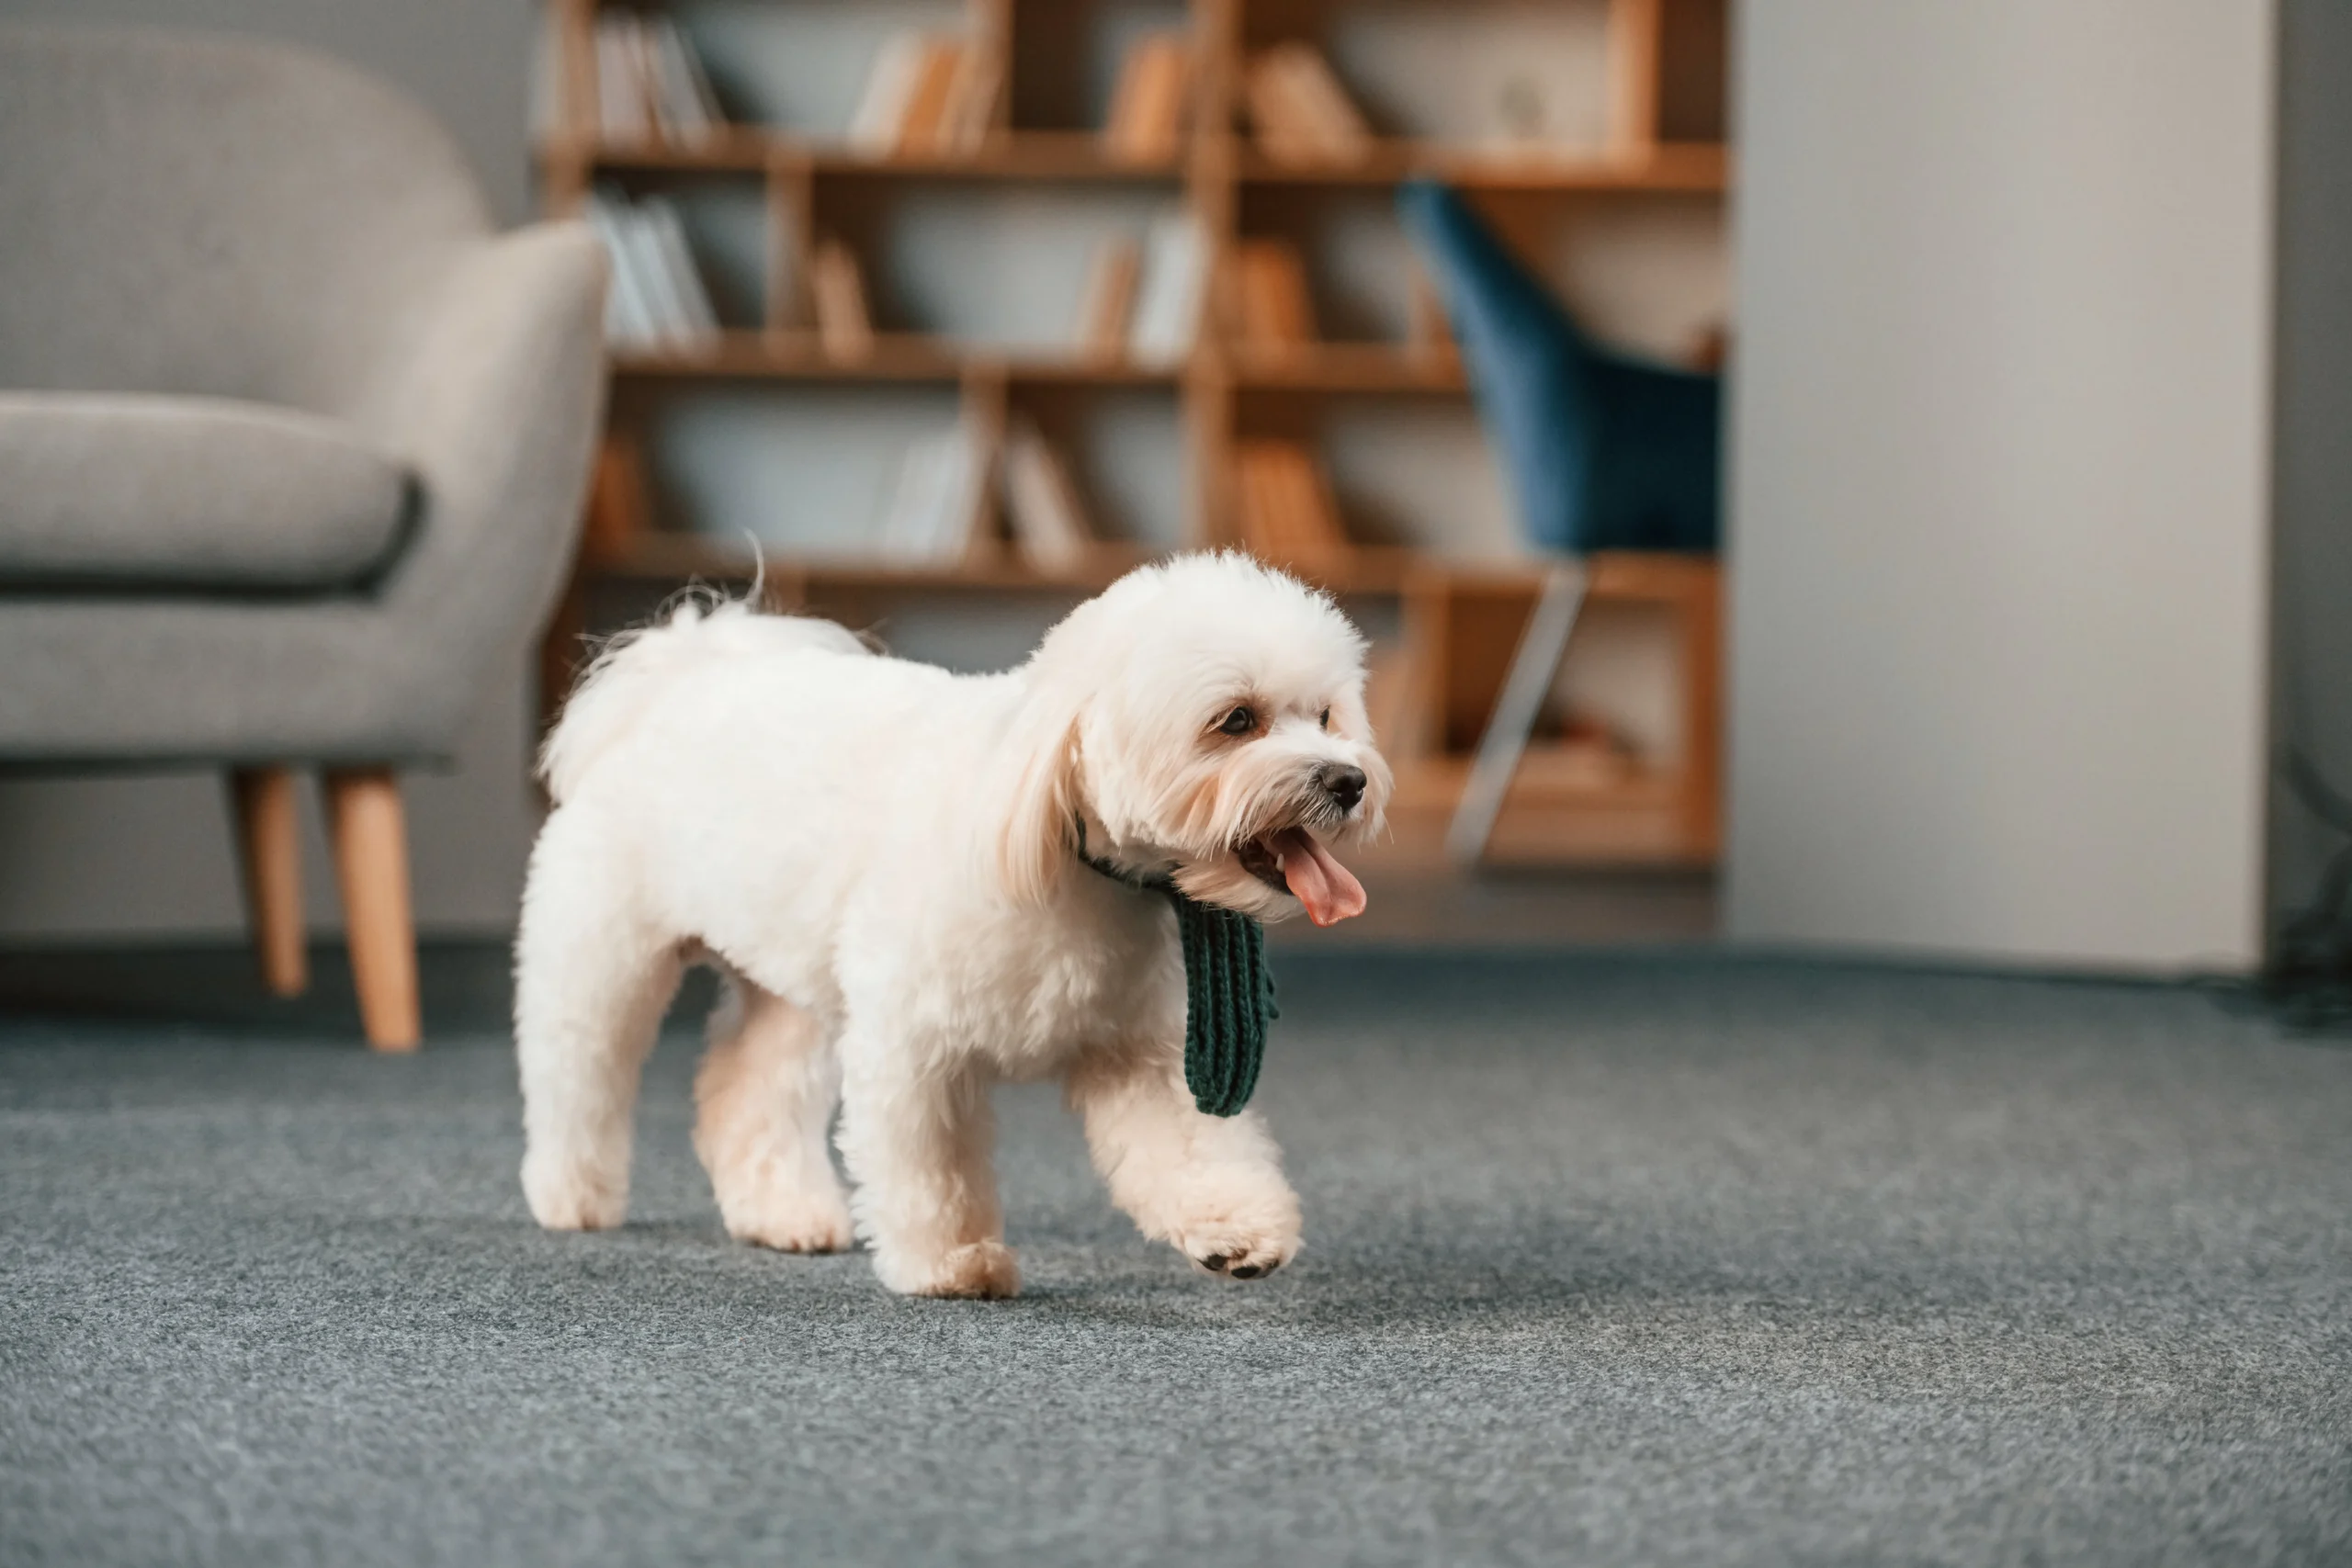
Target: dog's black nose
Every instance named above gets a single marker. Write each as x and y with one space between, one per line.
1341 782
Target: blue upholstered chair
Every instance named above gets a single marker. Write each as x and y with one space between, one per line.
1603 452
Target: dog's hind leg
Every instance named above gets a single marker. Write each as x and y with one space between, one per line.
591 981
764 1098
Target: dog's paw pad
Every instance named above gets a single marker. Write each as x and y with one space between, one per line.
1247 1265
1238 1252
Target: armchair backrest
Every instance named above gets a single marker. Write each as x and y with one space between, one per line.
190 214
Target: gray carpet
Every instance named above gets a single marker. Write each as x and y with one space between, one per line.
1610 1260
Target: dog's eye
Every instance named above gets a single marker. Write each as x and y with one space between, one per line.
1325 721
1240 721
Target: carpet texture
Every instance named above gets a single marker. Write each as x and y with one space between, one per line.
1636 1260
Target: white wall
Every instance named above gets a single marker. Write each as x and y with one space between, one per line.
2000 505
145 857
468 60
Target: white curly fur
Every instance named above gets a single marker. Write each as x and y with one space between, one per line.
880 858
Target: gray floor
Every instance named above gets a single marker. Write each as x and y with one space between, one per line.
1610 1260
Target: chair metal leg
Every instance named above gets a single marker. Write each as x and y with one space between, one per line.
1532 669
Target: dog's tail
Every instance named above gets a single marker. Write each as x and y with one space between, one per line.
632 669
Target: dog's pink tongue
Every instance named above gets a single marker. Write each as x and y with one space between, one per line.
1329 889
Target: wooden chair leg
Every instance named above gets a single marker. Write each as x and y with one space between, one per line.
371 859
269 854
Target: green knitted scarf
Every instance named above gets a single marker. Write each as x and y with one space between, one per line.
1228 994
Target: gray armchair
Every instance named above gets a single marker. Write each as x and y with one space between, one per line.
292 445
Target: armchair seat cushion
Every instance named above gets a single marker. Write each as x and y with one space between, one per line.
145 493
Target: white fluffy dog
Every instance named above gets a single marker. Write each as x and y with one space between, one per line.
883 860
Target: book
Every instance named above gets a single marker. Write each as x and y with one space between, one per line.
890 88
1273 313
1276 123
623 112
844 329
649 82
911 495
696 317
657 297
629 319
1049 525
928 92
1339 126
917 493
1288 515
934 509
1298 110
1145 123
1109 300
641 255
922 126
971 103
1169 291
685 109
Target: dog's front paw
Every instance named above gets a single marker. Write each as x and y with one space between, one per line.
979 1271
1242 1241
573 1197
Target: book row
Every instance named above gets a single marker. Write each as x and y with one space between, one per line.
1142 305
942 94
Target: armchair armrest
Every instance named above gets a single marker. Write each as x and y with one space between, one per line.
493 393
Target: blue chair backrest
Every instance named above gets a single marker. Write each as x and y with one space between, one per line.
1604 451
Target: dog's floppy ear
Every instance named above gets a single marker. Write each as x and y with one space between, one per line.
1039 838
1038 800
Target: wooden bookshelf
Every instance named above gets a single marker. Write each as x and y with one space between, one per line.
1664 124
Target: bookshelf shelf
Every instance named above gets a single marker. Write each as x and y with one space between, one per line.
1548 776
1696 168
800 357
1351 367
1249 398
679 557
912 357
736 150
1020 155
660 557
